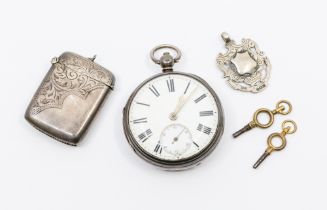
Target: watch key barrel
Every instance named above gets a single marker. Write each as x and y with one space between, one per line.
241 131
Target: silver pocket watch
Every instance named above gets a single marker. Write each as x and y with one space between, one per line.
173 120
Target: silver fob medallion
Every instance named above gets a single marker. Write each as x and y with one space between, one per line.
244 65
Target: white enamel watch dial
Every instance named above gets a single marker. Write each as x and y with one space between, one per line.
175 140
173 120
173 106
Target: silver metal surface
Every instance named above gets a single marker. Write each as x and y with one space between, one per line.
166 61
163 46
177 164
69 97
244 65
174 165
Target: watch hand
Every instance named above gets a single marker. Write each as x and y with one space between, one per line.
181 102
176 138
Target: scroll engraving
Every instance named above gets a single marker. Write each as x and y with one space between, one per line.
251 75
70 74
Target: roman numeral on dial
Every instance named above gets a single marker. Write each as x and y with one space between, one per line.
188 85
154 91
144 104
158 148
170 85
141 120
204 129
206 113
196 144
145 135
200 98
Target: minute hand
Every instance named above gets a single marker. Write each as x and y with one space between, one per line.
181 102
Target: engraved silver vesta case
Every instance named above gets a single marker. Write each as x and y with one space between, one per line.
69 97
244 65
173 119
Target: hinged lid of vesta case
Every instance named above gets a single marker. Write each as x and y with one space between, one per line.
69 97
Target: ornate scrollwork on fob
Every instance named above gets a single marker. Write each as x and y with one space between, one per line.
244 65
70 74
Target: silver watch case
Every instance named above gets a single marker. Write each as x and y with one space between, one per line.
183 163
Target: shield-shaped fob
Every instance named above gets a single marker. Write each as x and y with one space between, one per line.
69 97
245 66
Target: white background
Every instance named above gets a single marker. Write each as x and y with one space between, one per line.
37 172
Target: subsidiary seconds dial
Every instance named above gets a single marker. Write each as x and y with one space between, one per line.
173 120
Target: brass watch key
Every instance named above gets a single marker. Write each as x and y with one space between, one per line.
288 127
280 109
